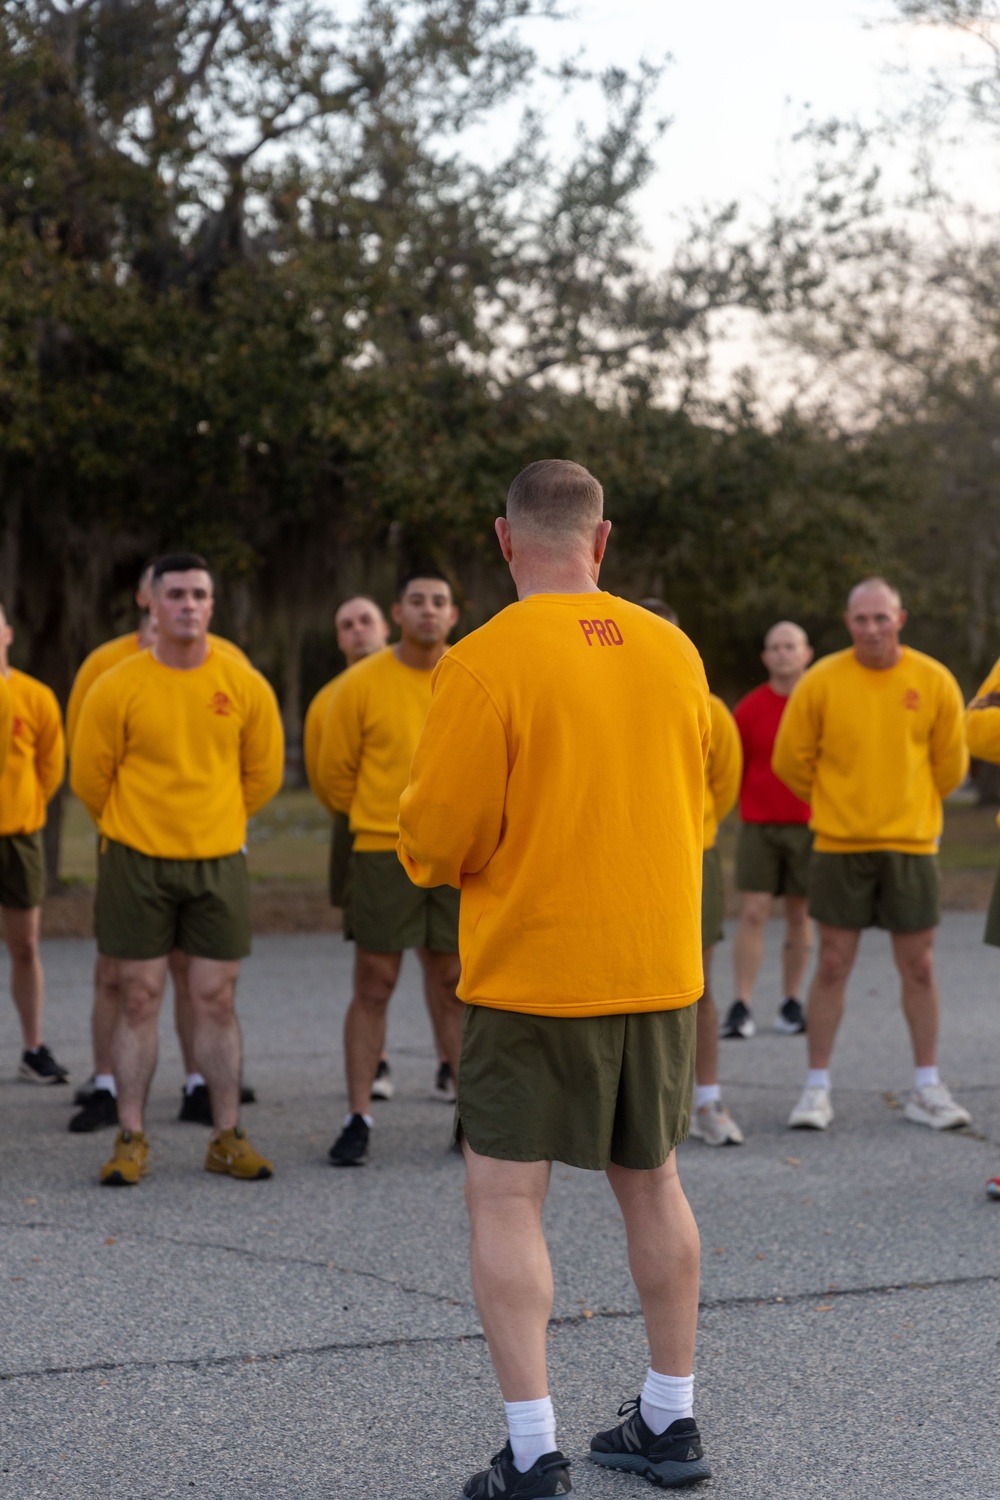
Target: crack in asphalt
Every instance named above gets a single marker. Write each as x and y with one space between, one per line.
567 1321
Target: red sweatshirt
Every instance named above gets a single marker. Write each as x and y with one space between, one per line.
763 798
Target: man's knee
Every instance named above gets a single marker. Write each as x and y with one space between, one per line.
918 967
375 976
755 908
23 950
834 965
140 1002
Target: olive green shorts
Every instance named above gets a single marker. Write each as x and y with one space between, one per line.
878 888
341 843
774 858
585 1090
713 899
385 912
22 870
992 933
145 907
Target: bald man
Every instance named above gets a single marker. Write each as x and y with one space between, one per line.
775 842
873 738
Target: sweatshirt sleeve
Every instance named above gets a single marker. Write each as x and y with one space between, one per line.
796 748
82 682
50 746
725 759
262 746
5 721
339 755
312 736
982 725
451 813
98 747
948 750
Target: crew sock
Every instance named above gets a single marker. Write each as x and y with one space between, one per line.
666 1399
706 1093
818 1078
532 1429
106 1081
924 1077
192 1082
368 1119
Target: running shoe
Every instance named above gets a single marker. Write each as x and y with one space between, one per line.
383 1086
85 1090
350 1149
248 1095
813 1111
933 1105
232 1154
99 1111
40 1066
993 1188
791 1018
674 1458
713 1124
196 1106
129 1160
444 1084
548 1475
739 1021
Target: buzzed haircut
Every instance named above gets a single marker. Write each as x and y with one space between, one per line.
786 625
179 562
662 608
555 495
876 581
358 599
434 574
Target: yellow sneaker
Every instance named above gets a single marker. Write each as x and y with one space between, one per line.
233 1154
129 1162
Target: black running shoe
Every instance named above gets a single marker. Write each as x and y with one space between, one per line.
739 1021
350 1149
791 1018
247 1094
444 1083
382 1084
674 1458
548 1475
40 1066
85 1090
196 1106
100 1110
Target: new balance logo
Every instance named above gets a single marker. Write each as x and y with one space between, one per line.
604 631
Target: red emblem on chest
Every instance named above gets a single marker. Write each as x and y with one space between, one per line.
911 699
221 704
17 726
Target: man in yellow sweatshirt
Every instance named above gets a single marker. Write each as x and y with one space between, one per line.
97 1096
560 783
32 774
873 739
982 728
175 748
371 729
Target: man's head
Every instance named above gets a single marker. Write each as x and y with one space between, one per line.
143 591
875 616
554 519
181 597
6 639
361 628
786 655
662 608
425 610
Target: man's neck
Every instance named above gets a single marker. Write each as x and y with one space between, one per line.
883 664
183 656
782 685
421 658
550 578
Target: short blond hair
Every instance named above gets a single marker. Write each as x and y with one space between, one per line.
555 495
878 582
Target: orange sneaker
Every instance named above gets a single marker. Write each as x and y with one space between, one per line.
232 1154
129 1161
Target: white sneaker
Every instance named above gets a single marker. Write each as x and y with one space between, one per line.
383 1086
713 1124
933 1105
813 1111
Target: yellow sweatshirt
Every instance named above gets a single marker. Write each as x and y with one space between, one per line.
372 725
873 752
312 733
724 770
560 782
5 717
172 763
982 725
103 658
36 760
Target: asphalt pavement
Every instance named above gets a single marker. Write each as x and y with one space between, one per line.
314 1337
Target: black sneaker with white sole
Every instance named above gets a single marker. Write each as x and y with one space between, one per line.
196 1106
548 1475
350 1149
39 1066
739 1021
791 1018
444 1083
673 1459
382 1084
85 1090
99 1111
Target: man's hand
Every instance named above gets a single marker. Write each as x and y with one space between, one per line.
988 700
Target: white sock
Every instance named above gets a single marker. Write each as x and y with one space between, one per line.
665 1399
706 1093
368 1119
532 1429
106 1081
192 1082
818 1078
924 1077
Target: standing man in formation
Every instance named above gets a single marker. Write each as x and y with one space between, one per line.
775 842
175 748
560 783
98 1098
32 774
372 726
982 728
873 739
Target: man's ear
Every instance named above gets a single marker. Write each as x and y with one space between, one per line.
396 612
502 528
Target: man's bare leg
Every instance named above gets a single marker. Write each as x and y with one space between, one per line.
798 945
104 1015
706 1067
748 946
183 1009
375 976
27 978
711 1122
914 955
441 975
134 1046
218 1045
838 948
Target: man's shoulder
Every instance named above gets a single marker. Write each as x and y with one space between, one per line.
226 647
751 702
28 689
320 700
523 625
103 657
927 666
823 672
